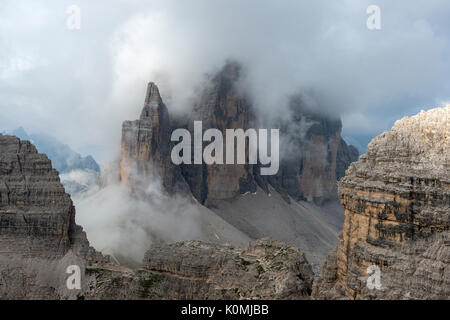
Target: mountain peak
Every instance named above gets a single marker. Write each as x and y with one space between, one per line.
152 94
153 101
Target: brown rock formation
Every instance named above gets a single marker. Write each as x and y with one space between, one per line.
266 269
397 215
146 147
222 107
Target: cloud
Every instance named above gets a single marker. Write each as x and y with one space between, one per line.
80 85
125 226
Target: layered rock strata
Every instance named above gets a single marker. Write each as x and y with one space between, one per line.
397 215
38 235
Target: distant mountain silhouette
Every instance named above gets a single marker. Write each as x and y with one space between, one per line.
63 158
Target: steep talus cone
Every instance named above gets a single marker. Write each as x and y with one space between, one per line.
397 215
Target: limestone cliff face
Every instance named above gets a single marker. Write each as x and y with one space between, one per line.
38 234
317 153
221 106
397 215
313 155
346 154
266 269
146 147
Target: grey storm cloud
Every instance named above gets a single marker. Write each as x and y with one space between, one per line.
79 85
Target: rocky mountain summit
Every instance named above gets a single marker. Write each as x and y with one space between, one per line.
397 215
320 154
146 148
301 198
63 158
78 174
38 234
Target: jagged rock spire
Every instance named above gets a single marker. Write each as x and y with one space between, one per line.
152 94
153 101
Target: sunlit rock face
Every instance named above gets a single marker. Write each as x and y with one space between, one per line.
397 214
146 147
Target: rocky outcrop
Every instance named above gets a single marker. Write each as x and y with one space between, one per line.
397 216
266 269
146 148
38 234
313 156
